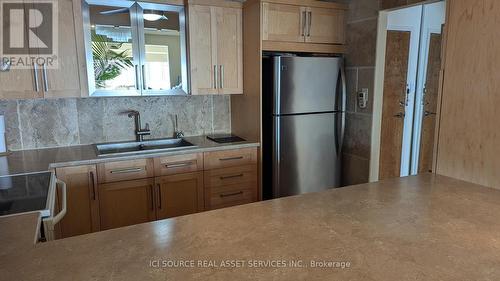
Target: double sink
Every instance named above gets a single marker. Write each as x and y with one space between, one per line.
147 146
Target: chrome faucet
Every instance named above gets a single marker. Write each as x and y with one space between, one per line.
177 134
139 132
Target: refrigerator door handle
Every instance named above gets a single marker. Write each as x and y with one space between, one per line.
343 98
277 85
276 157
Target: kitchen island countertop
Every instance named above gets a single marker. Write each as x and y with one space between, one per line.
425 227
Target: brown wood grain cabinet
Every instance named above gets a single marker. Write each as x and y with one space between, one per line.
122 193
230 186
60 80
299 24
216 48
82 214
127 203
179 195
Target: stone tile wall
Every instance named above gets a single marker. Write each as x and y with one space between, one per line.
360 71
46 123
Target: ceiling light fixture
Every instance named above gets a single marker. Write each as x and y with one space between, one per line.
151 15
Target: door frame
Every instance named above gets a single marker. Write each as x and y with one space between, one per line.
394 20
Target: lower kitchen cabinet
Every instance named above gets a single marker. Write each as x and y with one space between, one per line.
82 215
126 203
179 195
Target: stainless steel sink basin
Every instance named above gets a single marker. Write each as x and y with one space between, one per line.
148 146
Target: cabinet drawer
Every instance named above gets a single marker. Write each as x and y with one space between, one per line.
178 164
125 170
230 158
231 195
231 176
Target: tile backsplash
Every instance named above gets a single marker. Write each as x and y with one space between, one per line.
47 123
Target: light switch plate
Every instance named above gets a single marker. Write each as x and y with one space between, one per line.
363 98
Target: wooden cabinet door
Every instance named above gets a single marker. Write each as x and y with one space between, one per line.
126 203
229 51
64 80
325 26
203 49
19 82
179 195
82 215
286 23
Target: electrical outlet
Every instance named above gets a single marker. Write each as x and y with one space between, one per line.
363 98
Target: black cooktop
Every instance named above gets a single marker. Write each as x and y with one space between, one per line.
24 193
225 138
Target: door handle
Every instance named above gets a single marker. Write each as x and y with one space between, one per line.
221 84
231 158
231 194
144 86
92 179
304 20
124 171
151 189
137 77
45 80
399 115
178 165
231 177
35 76
159 196
427 113
215 77
309 24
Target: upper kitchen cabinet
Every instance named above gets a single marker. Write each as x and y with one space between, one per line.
46 64
303 26
215 47
134 48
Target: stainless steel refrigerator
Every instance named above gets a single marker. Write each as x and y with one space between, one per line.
303 121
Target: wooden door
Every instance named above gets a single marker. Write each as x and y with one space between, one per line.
179 195
203 49
82 215
126 203
19 82
285 23
430 104
395 80
64 80
325 26
230 50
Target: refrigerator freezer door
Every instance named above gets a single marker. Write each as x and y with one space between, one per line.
307 84
306 154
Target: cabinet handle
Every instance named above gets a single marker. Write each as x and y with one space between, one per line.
45 80
231 177
221 84
231 194
35 75
231 158
92 179
137 77
171 166
215 77
124 171
144 86
151 188
304 20
309 24
159 196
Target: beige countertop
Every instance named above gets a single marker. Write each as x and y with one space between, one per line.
38 160
18 232
416 228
